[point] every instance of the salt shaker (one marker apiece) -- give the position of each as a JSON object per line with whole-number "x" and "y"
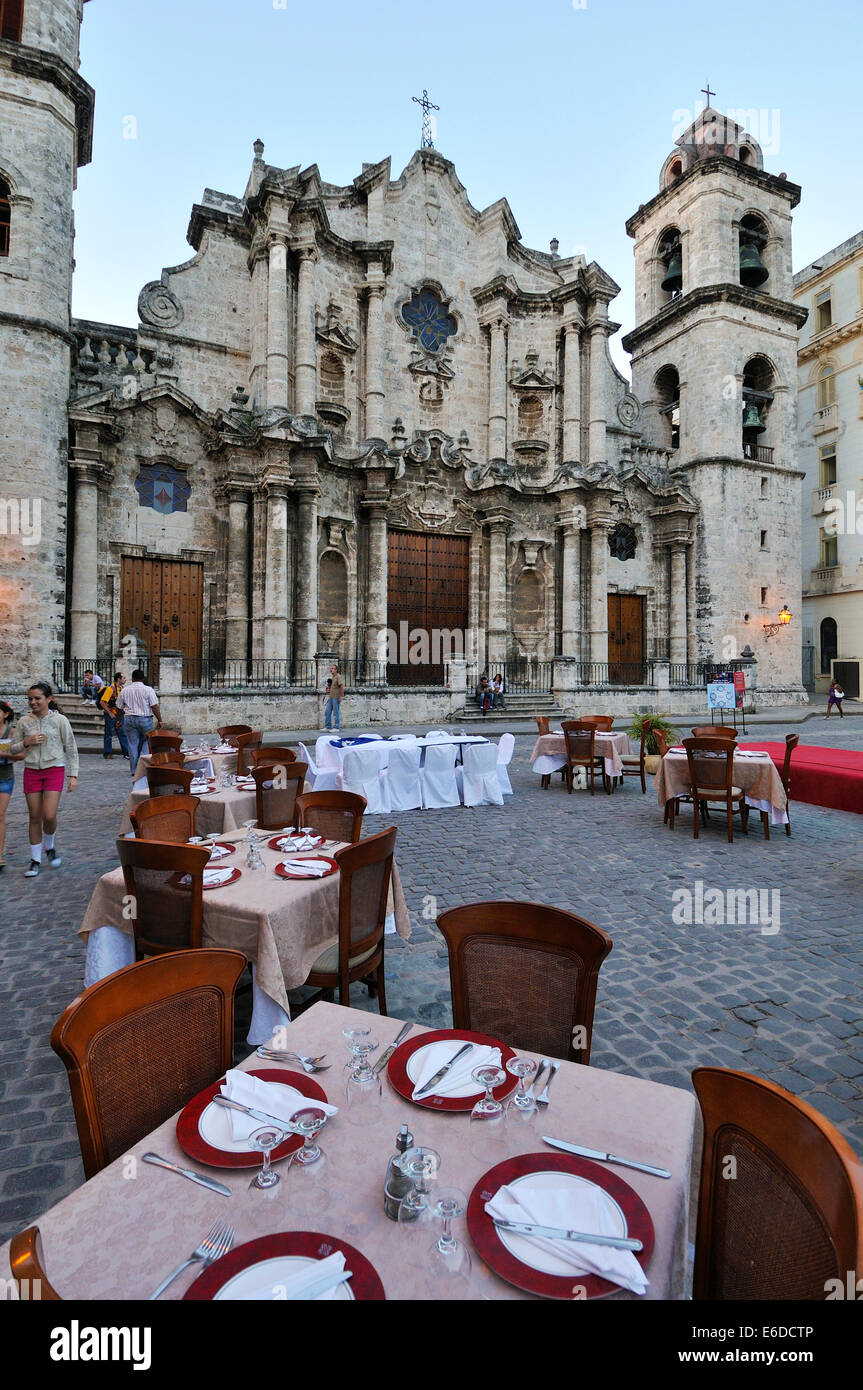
{"x": 397, "y": 1185}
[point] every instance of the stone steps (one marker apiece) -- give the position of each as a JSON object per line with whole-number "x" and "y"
{"x": 85, "y": 720}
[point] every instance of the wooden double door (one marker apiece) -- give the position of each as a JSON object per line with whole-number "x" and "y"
{"x": 428, "y": 592}
{"x": 626, "y": 639}
{"x": 163, "y": 601}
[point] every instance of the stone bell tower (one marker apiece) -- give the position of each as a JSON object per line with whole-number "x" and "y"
{"x": 714, "y": 361}
{"x": 46, "y": 117}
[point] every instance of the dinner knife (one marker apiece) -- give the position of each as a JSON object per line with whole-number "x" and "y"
{"x": 322, "y": 1285}
{"x": 385, "y": 1057}
{"x": 555, "y": 1233}
{"x": 439, "y": 1075}
{"x": 606, "y": 1158}
{"x": 262, "y": 1115}
{"x": 187, "y": 1173}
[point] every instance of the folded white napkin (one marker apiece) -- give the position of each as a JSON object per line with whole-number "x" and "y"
{"x": 292, "y": 1285}
{"x": 279, "y": 1101}
{"x": 301, "y": 841}
{"x": 306, "y": 869}
{"x": 458, "y": 1078}
{"x": 199, "y": 784}
{"x": 214, "y": 876}
{"x": 574, "y": 1209}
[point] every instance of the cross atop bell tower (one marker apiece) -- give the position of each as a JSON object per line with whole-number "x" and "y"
{"x": 427, "y": 106}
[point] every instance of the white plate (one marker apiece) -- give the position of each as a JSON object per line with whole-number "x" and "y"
{"x": 248, "y": 1281}
{"x": 214, "y": 1124}
{"x": 415, "y": 1064}
{"x": 529, "y": 1254}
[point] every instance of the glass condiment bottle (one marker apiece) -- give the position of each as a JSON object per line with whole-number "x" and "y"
{"x": 397, "y": 1184}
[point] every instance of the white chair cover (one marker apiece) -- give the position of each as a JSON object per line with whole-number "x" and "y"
{"x": 364, "y": 771}
{"x": 402, "y": 738}
{"x": 504, "y": 757}
{"x": 479, "y": 777}
{"x": 325, "y": 756}
{"x": 439, "y": 785}
{"x": 438, "y": 733}
{"x": 403, "y": 777}
{"x": 316, "y": 778}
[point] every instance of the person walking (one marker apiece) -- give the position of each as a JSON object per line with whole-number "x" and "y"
{"x": 334, "y": 695}
{"x": 45, "y": 738}
{"x": 7, "y": 770}
{"x": 113, "y": 717}
{"x": 835, "y": 696}
{"x": 139, "y": 705}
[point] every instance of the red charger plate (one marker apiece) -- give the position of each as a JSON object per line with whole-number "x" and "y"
{"x": 284, "y": 872}
{"x": 365, "y": 1284}
{"x": 192, "y": 1142}
{"x": 177, "y": 880}
{"x": 484, "y": 1234}
{"x": 274, "y": 843}
{"x": 397, "y": 1069}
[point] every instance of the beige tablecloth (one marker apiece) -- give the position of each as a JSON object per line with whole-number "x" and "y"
{"x": 282, "y": 925}
{"x": 217, "y": 812}
{"x": 549, "y": 752}
{"x": 758, "y": 778}
{"x": 219, "y": 760}
{"x": 115, "y": 1238}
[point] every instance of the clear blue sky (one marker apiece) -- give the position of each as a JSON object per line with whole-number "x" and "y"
{"x": 568, "y": 112}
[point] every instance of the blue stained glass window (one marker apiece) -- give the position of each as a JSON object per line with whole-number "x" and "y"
{"x": 163, "y": 488}
{"x": 431, "y": 324}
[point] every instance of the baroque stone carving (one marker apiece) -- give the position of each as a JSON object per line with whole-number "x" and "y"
{"x": 158, "y": 306}
{"x": 628, "y": 410}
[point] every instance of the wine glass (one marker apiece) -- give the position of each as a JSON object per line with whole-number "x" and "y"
{"x": 354, "y": 1037}
{"x": 521, "y": 1111}
{"x": 310, "y": 1191}
{"x": 487, "y": 1119}
{"x": 416, "y": 1218}
{"x": 264, "y": 1141}
{"x": 450, "y": 1263}
{"x": 363, "y": 1086}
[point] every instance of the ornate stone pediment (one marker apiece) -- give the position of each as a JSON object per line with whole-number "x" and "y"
{"x": 532, "y": 378}
{"x": 434, "y": 447}
{"x": 431, "y": 506}
{"x": 335, "y": 334}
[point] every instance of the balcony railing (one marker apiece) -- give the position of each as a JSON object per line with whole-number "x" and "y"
{"x": 821, "y": 496}
{"x": 825, "y": 418}
{"x": 758, "y": 453}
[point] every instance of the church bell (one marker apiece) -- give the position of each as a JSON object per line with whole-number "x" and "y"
{"x": 674, "y": 274}
{"x": 753, "y": 271}
{"x": 752, "y": 419}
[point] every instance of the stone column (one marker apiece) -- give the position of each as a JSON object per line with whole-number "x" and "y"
{"x": 84, "y": 615}
{"x": 497, "y": 388}
{"x": 570, "y": 620}
{"x": 258, "y": 364}
{"x": 306, "y": 364}
{"x": 571, "y": 393}
{"x": 377, "y": 579}
{"x": 277, "y": 323}
{"x": 375, "y": 427}
{"x": 306, "y": 621}
{"x": 677, "y": 605}
{"x": 237, "y": 605}
{"x": 276, "y": 579}
{"x": 599, "y": 524}
{"x": 598, "y": 447}
{"x": 497, "y": 570}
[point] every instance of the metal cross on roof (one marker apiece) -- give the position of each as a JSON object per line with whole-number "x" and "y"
{"x": 707, "y": 92}
{"x": 427, "y": 106}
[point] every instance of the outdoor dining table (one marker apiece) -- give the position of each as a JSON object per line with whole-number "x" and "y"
{"x": 193, "y": 755}
{"x": 116, "y": 1239}
{"x": 549, "y": 752}
{"x": 280, "y": 925}
{"x": 218, "y": 811}
{"x": 755, "y": 773}
{"x": 331, "y": 753}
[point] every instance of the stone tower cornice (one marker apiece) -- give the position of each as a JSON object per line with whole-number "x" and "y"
{"x": 770, "y": 183}
{"x": 704, "y": 295}
{"x": 45, "y": 67}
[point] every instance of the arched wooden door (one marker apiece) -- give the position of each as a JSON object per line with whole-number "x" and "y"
{"x": 427, "y": 596}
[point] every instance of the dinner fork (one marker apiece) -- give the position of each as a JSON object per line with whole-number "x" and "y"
{"x": 216, "y": 1243}
{"x": 308, "y": 1064}
{"x": 543, "y": 1099}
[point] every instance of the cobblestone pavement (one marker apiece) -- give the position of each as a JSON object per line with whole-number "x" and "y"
{"x": 783, "y": 1004}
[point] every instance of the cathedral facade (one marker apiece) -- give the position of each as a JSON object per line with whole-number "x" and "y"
{"x": 359, "y": 413}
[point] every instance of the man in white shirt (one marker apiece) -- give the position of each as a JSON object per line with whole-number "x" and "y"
{"x": 140, "y": 706}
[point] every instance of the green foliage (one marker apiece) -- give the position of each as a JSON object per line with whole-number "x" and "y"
{"x": 650, "y": 723}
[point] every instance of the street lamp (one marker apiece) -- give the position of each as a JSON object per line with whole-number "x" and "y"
{"x": 771, "y": 629}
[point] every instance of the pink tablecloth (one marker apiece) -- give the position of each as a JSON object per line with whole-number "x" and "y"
{"x": 549, "y": 752}
{"x": 756, "y": 776}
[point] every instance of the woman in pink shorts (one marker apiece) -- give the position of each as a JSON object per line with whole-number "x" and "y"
{"x": 46, "y": 739}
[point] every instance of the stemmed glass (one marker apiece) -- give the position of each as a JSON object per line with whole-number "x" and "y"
{"x": 362, "y": 1086}
{"x": 487, "y": 1119}
{"x": 421, "y": 1166}
{"x": 521, "y": 1111}
{"x": 450, "y": 1258}
{"x": 264, "y": 1141}
{"x": 311, "y": 1161}
{"x": 355, "y": 1039}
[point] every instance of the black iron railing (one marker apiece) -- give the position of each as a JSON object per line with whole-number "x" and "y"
{"x": 635, "y": 673}
{"x": 227, "y": 675}
{"x": 67, "y": 675}
{"x": 359, "y": 674}
{"x": 523, "y": 677}
{"x": 685, "y": 673}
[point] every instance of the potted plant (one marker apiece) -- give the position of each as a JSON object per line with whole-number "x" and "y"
{"x": 650, "y": 725}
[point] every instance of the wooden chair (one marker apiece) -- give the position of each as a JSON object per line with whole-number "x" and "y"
{"x": 171, "y": 757}
{"x": 581, "y": 752}
{"x": 526, "y": 974}
{"x": 602, "y": 722}
{"x": 165, "y": 818}
{"x": 168, "y": 915}
{"x": 366, "y": 869}
{"x": 247, "y": 744}
{"x": 542, "y": 724}
{"x": 715, "y": 731}
{"x": 791, "y": 742}
{"x": 277, "y": 786}
{"x": 711, "y": 773}
{"x": 337, "y": 815}
{"x": 634, "y": 766}
{"x": 169, "y": 781}
{"x": 789, "y": 1217}
{"x": 158, "y": 742}
{"x": 141, "y": 1043}
{"x": 272, "y": 756}
{"x": 228, "y": 732}
{"x": 26, "y": 1261}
